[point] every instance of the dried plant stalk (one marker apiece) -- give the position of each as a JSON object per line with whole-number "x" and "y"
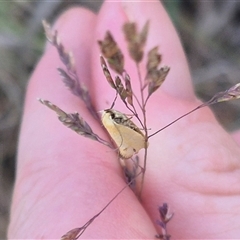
{"x": 136, "y": 41}
{"x": 66, "y": 57}
{"x": 165, "y": 216}
{"x": 75, "y": 122}
{"x": 77, "y": 232}
{"x": 129, "y": 90}
{"x": 154, "y": 59}
{"x": 228, "y": 95}
{"x": 107, "y": 73}
{"x": 112, "y": 53}
{"x": 70, "y": 77}
{"x": 72, "y": 234}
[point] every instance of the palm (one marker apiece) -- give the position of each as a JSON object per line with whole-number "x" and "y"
{"x": 63, "y": 179}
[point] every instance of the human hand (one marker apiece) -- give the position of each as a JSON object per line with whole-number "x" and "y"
{"x": 64, "y": 179}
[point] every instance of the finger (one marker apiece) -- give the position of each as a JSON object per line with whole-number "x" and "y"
{"x": 177, "y": 155}
{"x": 162, "y": 107}
{"x": 169, "y": 162}
{"x": 65, "y": 179}
{"x": 50, "y": 188}
{"x": 112, "y": 17}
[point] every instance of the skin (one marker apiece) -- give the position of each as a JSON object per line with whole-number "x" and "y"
{"x": 64, "y": 179}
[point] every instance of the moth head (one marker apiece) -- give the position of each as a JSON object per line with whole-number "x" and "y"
{"x": 110, "y": 113}
{"x": 114, "y": 115}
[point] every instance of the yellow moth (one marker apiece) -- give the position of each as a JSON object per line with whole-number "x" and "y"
{"x": 126, "y": 135}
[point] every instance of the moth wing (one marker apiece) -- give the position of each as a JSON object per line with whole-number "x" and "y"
{"x": 129, "y": 141}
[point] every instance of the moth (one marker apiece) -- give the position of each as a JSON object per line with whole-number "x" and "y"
{"x": 126, "y": 135}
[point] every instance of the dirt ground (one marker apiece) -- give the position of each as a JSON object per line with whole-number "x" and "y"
{"x": 210, "y": 33}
